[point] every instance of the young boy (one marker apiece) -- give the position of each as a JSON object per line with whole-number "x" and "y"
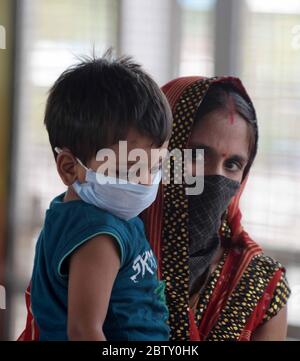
{"x": 94, "y": 275}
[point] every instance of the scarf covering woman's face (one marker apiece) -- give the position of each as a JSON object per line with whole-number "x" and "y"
{"x": 225, "y": 138}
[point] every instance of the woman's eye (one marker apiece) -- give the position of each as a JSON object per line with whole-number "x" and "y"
{"x": 233, "y": 166}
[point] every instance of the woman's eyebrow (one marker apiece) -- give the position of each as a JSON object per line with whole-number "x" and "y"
{"x": 211, "y": 150}
{"x": 239, "y": 158}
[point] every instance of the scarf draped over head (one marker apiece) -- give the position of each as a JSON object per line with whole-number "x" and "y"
{"x": 167, "y": 220}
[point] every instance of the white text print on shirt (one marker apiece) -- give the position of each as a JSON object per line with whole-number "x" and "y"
{"x": 142, "y": 264}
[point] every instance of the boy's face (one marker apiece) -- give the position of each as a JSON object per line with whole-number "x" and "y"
{"x": 136, "y": 159}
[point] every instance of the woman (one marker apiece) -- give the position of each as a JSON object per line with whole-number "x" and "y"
{"x": 224, "y": 288}
{"x": 219, "y": 284}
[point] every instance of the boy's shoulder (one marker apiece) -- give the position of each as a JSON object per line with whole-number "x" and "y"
{"x": 78, "y": 215}
{"x": 70, "y": 224}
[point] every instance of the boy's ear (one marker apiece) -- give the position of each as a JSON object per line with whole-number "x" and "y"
{"x": 67, "y": 167}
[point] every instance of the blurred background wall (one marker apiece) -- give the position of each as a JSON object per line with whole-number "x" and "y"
{"x": 259, "y": 41}
{"x": 6, "y": 98}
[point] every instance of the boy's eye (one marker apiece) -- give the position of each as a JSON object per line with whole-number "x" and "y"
{"x": 121, "y": 173}
{"x": 134, "y": 173}
{"x": 156, "y": 169}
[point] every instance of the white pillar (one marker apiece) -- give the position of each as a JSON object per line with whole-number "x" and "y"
{"x": 230, "y": 15}
{"x": 149, "y": 31}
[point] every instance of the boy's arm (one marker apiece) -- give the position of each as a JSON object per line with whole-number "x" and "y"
{"x": 92, "y": 271}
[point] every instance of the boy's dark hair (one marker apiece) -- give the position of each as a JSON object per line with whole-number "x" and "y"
{"x": 93, "y": 104}
{"x": 228, "y": 98}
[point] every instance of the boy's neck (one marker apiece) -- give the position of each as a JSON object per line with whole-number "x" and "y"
{"x": 70, "y": 195}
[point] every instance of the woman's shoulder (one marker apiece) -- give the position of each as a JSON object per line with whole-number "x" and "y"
{"x": 253, "y": 273}
{"x": 276, "y": 286}
{"x": 266, "y": 263}
{"x": 264, "y": 275}
{"x": 251, "y": 255}
{"x": 255, "y": 265}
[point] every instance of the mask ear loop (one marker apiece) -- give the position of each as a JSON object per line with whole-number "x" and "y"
{"x": 80, "y": 162}
{"x": 59, "y": 150}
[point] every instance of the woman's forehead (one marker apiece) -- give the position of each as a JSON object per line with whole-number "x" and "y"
{"x": 222, "y": 132}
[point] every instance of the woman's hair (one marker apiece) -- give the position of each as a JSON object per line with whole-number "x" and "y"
{"x": 225, "y": 97}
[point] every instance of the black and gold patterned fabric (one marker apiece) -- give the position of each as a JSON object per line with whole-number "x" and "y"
{"x": 244, "y": 299}
{"x": 175, "y": 254}
{"x": 279, "y": 299}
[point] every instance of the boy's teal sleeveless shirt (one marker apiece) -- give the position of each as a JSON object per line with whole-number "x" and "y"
{"x": 137, "y": 309}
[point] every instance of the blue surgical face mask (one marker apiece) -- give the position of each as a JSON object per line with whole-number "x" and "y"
{"x": 121, "y": 198}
